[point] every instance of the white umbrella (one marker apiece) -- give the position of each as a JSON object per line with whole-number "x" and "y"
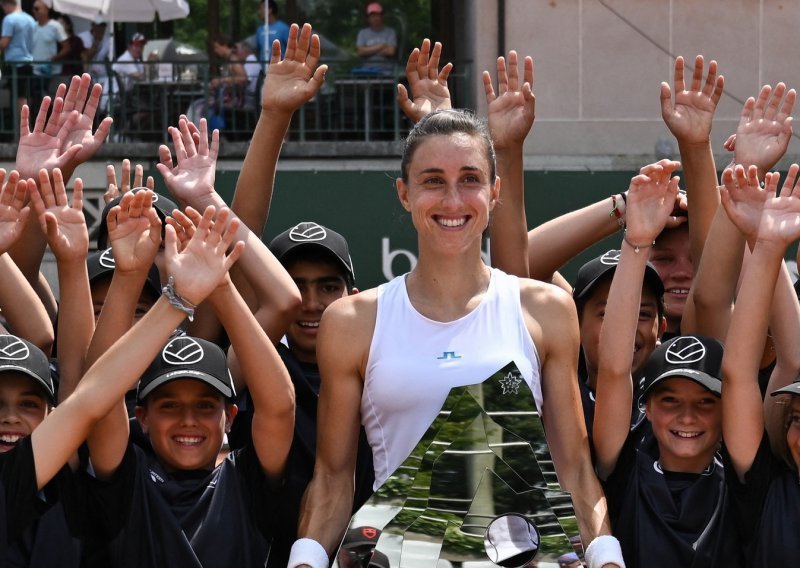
{"x": 123, "y": 10}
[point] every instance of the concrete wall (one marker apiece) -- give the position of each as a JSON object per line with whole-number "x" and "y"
{"x": 599, "y": 63}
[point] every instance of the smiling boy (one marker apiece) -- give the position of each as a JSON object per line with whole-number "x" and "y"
{"x": 663, "y": 481}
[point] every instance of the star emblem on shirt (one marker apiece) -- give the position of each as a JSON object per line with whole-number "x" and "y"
{"x": 510, "y": 383}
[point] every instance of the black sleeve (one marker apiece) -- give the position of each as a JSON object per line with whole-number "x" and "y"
{"x": 108, "y": 501}
{"x": 747, "y": 499}
{"x": 617, "y": 486}
{"x": 264, "y": 493}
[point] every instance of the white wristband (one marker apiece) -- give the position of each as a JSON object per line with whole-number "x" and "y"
{"x": 603, "y": 550}
{"x": 308, "y": 551}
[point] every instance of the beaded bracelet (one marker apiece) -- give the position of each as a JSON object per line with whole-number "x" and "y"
{"x": 615, "y": 212}
{"x": 178, "y": 301}
{"x": 636, "y": 248}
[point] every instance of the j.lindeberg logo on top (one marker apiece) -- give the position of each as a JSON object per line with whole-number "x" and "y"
{"x": 685, "y": 350}
{"x": 611, "y": 258}
{"x": 107, "y": 259}
{"x": 307, "y": 232}
{"x": 12, "y": 349}
{"x": 449, "y": 355}
{"x": 182, "y": 351}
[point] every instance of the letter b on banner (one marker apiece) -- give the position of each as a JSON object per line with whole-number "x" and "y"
{"x": 388, "y": 256}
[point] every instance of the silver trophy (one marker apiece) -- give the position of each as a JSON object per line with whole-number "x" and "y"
{"x": 478, "y": 488}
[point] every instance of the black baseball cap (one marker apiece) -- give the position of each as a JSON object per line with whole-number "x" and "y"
{"x": 692, "y": 357}
{"x": 591, "y": 272}
{"x": 793, "y": 388}
{"x": 101, "y": 263}
{"x": 164, "y": 207}
{"x": 185, "y": 357}
{"x": 310, "y": 234}
{"x": 20, "y": 355}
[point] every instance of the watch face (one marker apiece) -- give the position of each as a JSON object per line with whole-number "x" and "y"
{"x": 479, "y": 487}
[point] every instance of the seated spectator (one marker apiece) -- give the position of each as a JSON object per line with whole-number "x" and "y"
{"x": 231, "y": 89}
{"x": 377, "y": 43}
{"x": 129, "y": 66}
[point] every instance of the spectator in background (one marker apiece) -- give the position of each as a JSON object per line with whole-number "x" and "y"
{"x": 129, "y": 66}
{"x": 95, "y": 49}
{"x": 16, "y": 43}
{"x": 252, "y": 69}
{"x": 377, "y": 43}
{"x": 72, "y": 65}
{"x": 278, "y": 29}
{"x": 49, "y": 44}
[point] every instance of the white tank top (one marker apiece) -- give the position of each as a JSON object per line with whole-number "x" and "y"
{"x": 415, "y": 361}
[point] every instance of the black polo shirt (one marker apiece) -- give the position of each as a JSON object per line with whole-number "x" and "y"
{"x": 147, "y": 518}
{"x": 767, "y": 511}
{"x": 669, "y": 519}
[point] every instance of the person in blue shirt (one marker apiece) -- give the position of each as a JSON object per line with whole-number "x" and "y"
{"x": 16, "y": 43}
{"x": 278, "y": 29}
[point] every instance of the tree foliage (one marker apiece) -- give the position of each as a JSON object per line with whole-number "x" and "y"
{"x": 338, "y": 20}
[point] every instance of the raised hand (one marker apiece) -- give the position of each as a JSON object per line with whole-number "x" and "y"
{"x": 780, "y": 218}
{"x": 191, "y": 179}
{"x": 690, "y": 115}
{"x": 85, "y": 101}
{"x": 428, "y": 84}
{"x": 44, "y": 146}
{"x": 651, "y": 200}
{"x": 184, "y": 224}
{"x": 292, "y": 82}
{"x": 743, "y": 198}
{"x": 115, "y": 190}
{"x": 765, "y": 128}
{"x": 512, "y": 110}
{"x": 63, "y": 224}
{"x": 13, "y": 211}
{"x": 134, "y": 231}
{"x": 203, "y": 264}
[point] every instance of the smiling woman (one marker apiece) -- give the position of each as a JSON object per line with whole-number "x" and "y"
{"x": 451, "y": 318}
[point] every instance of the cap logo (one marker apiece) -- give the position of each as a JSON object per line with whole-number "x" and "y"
{"x": 138, "y": 189}
{"x": 369, "y": 532}
{"x": 308, "y": 233}
{"x": 106, "y": 259}
{"x": 14, "y": 348}
{"x": 611, "y": 258}
{"x": 182, "y": 351}
{"x": 685, "y": 350}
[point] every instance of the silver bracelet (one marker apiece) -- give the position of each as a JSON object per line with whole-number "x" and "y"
{"x": 178, "y": 301}
{"x": 636, "y": 248}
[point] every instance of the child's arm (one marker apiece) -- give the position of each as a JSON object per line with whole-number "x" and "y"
{"x": 511, "y": 115}
{"x": 196, "y": 271}
{"x": 265, "y": 376}
{"x": 258, "y": 267}
{"x": 689, "y": 117}
{"x": 760, "y": 140}
{"x": 134, "y": 231}
{"x": 19, "y": 303}
{"x": 428, "y": 84}
{"x": 650, "y": 200}
{"x": 742, "y": 409}
{"x": 65, "y": 229}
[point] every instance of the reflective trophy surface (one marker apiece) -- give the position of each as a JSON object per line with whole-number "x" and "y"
{"x": 479, "y": 489}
